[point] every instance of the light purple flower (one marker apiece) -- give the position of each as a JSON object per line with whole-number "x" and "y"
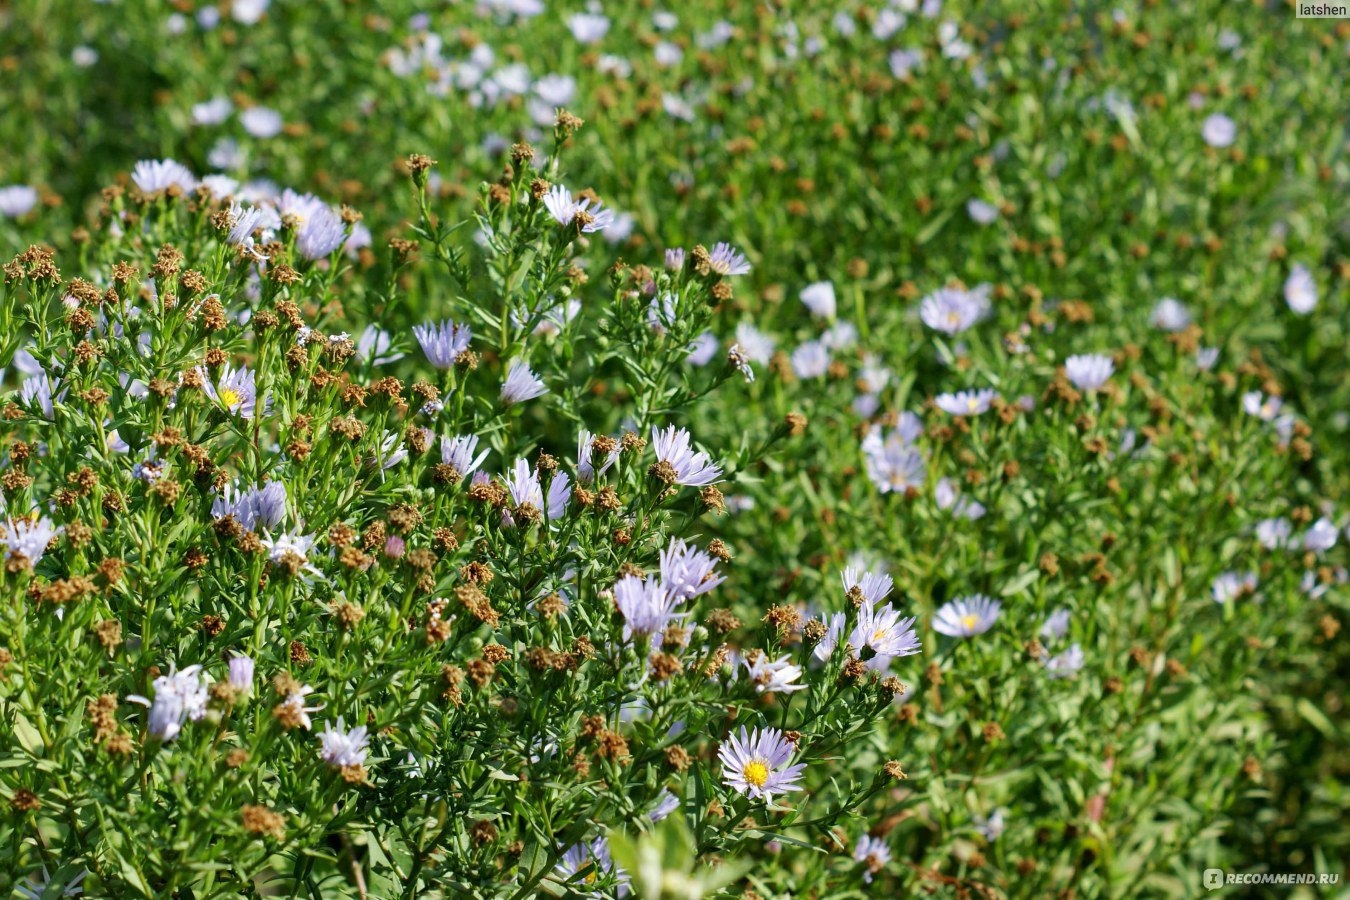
{"x": 153, "y": 176}
{"x": 341, "y": 748}
{"x": 726, "y": 260}
{"x": 756, "y": 763}
{"x": 873, "y": 853}
{"x": 646, "y": 606}
{"x": 521, "y": 384}
{"x": 443, "y": 343}
{"x": 1218, "y": 130}
{"x": 564, "y": 209}
{"x": 688, "y": 572}
{"x": 967, "y": 616}
{"x": 966, "y": 403}
{"x": 28, "y": 538}
{"x": 689, "y": 467}
{"x": 457, "y": 452}
{"x": 1089, "y": 372}
{"x": 819, "y": 298}
{"x": 1300, "y": 290}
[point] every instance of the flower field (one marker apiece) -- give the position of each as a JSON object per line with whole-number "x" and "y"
{"x": 510, "y": 448}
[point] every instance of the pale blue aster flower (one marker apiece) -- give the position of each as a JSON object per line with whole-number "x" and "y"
{"x": 688, "y": 572}
{"x": 647, "y": 608}
{"x": 153, "y": 176}
{"x": 340, "y": 748}
{"x": 726, "y": 261}
{"x": 1066, "y": 664}
{"x": 967, "y": 616}
{"x": 757, "y": 763}
{"x": 521, "y": 383}
{"x": 457, "y": 452}
{"x": 966, "y": 403}
{"x": 690, "y": 468}
{"x": 819, "y": 298}
{"x": 443, "y": 343}
{"x": 873, "y": 853}
{"x": 881, "y": 635}
{"x": 1088, "y": 372}
{"x": 27, "y": 538}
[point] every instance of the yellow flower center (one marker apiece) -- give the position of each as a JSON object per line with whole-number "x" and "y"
{"x": 878, "y": 635}
{"x": 972, "y": 404}
{"x": 969, "y": 620}
{"x": 756, "y": 772}
{"x": 229, "y": 397}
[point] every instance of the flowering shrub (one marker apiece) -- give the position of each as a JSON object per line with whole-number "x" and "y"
{"x": 767, "y": 520}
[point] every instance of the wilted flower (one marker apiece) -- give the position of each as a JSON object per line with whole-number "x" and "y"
{"x": 757, "y": 763}
{"x": 967, "y": 616}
